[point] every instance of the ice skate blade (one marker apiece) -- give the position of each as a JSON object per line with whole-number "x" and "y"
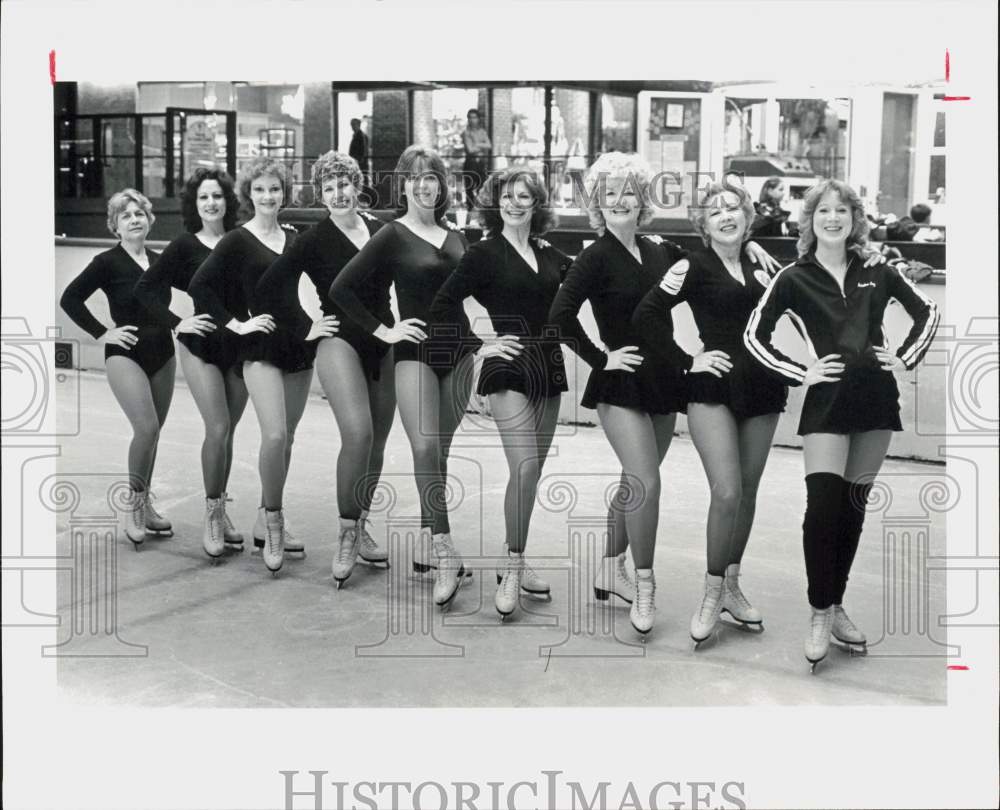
{"x": 547, "y": 594}
{"x": 851, "y": 647}
{"x": 163, "y": 534}
{"x": 602, "y": 595}
{"x": 374, "y": 563}
{"x": 749, "y": 627}
{"x": 426, "y": 568}
{"x": 814, "y": 664}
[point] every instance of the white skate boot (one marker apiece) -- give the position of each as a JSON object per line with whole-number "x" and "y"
{"x": 155, "y": 522}
{"x": 233, "y": 538}
{"x": 450, "y": 569}
{"x": 707, "y": 617}
{"x": 643, "y": 612}
{"x": 135, "y": 518}
{"x": 423, "y": 555}
{"x": 510, "y": 586}
{"x": 530, "y": 581}
{"x": 818, "y": 642}
{"x": 274, "y": 540}
{"x": 212, "y": 537}
{"x": 613, "y": 579}
{"x": 292, "y": 544}
{"x": 368, "y": 550}
{"x": 736, "y": 604}
{"x": 347, "y": 552}
{"x": 847, "y": 633}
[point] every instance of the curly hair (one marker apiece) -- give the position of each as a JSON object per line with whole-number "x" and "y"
{"x": 189, "y": 199}
{"x": 543, "y": 218}
{"x": 698, "y": 214}
{"x": 415, "y": 161}
{"x": 258, "y": 167}
{"x": 119, "y": 201}
{"x": 617, "y": 166}
{"x": 857, "y": 239}
{"x": 332, "y": 165}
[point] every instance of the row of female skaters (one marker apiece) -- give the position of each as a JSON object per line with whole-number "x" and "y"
{"x": 250, "y": 334}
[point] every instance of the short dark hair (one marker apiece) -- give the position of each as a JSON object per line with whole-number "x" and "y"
{"x": 920, "y": 213}
{"x": 417, "y": 160}
{"x": 473, "y": 110}
{"x": 356, "y": 121}
{"x": 189, "y": 199}
{"x": 488, "y": 200}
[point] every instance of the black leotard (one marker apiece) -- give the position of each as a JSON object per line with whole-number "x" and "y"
{"x": 396, "y": 255}
{"x": 847, "y": 323}
{"x": 115, "y": 273}
{"x": 226, "y": 283}
{"x": 608, "y": 275}
{"x": 175, "y": 268}
{"x": 517, "y": 299}
{"x": 721, "y": 306}
{"x": 321, "y": 253}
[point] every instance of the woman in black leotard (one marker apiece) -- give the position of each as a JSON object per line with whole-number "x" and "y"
{"x": 515, "y": 275}
{"x": 354, "y": 368}
{"x": 637, "y": 395}
{"x": 416, "y": 253}
{"x": 207, "y": 350}
{"x": 852, "y": 406}
{"x": 733, "y": 405}
{"x": 138, "y": 352}
{"x": 636, "y": 392}
{"x": 277, "y": 366}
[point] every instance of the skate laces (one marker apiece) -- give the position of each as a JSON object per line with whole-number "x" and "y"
{"x": 511, "y": 578}
{"x": 348, "y": 546}
{"x": 645, "y": 596}
{"x": 214, "y": 511}
{"x": 711, "y": 603}
{"x": 274, "y": 534}
{"x": 822, "y": 623}
{"x": 840, "y": 617}
{"x": 367, "y": 541}
{"x": 736, "y": 593}
{"x": 621, "y": 571}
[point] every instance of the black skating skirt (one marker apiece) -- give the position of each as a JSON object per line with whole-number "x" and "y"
{"x": 538, "y": 371}
{"x": 281, "y": 349}
{"x": 866, "y": 398}
{"x": 654, "y": 388}
{"x": 220, "y": 348}
{"x": 747, "y": 390}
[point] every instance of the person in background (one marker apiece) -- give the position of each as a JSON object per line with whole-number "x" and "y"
{"x": 477, "y": 156}
{"x": 771, "y": 219}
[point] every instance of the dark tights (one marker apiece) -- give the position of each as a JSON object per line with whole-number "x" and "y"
{"x": 221, "y": 399}
{"x": 279, "y": 400}
{"x": 146, "y": 401}
{"x": 640, "y": 441}
{"x": 733, "y": 455}
{"x": 364, "y": 410}
{"x": 526, "y": 431}
{"x": 431, "y": 409}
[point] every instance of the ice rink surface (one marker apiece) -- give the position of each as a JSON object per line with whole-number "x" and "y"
{"x": 231, "y": 635}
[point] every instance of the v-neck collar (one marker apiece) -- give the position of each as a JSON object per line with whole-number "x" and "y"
{"x": 340, "y": 232}
{"x": 847, "y": 271}
{"x": 262, "y": 242}
{"x": 725, "y": 270}
{"x": 416, "y": 235}
{"x": 534, "y": 250}
{"x": 638, "y": 243}
{"x": 131, "y": 258}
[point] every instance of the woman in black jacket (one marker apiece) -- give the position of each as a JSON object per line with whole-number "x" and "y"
{"x": 852, "y": 407}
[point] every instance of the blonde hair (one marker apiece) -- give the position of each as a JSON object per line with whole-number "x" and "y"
{"x": 698, "y": 214}
{"x": 617, "y": 166}
{"x": 857, "y": 239}
{"x": 119, "y": 201}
